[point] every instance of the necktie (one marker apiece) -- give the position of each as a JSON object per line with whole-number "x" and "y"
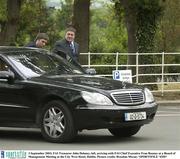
{"x": 72, "y": 49}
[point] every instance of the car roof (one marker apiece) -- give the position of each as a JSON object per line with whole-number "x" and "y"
{"x": 9, "y": 49}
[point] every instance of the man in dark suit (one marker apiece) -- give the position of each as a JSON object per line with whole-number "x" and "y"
{"x": 67, "y": 48}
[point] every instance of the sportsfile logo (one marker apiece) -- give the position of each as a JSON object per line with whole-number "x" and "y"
{"x": 13, "y": 155}
{"x": 2, "y": 154}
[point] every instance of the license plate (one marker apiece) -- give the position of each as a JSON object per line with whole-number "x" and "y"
{"x": 135, "y": 116}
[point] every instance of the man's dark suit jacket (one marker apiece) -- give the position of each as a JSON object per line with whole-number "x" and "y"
{"x": 31, "y": 44}
{"x": 62, "y": 48}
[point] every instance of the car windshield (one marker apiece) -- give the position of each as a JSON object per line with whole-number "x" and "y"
{"x": 34, "y": 64}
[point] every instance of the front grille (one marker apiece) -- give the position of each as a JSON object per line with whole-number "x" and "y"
{"x": 130, "y": 97}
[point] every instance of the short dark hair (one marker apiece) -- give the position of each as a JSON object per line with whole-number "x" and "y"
{"x": 42, "y": 36}
{"x": 71, "y": 29}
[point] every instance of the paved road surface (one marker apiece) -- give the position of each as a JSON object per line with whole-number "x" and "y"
{"x": 162, "y": 134}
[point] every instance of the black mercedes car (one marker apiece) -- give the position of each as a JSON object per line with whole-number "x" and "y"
{"x": 40, "y": 89}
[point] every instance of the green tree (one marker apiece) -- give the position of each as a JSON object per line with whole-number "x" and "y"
{"x": 141, "y": 17}
{"x": 35, "y": 18}
{"x": 108, "y": 35}
{"x": 3, "y": 12}
{"x": 81, "y": 17}
{"x": 168, "y": 32}
{"x": 141, "y": 22}
{"x": 149, "y": 12}
{"x": 66, "y": 13}
{"x": 64, "y": 16}
{"x": 9, "y": 19}
{"x": 168, "y": 35}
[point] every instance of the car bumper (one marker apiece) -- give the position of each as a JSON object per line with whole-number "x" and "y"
{"x": 96, "y": 117}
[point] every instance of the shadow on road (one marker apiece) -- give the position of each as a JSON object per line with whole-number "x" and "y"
{"x": 20, "y": 135}
{"x": 108, "y": 139}
{"x": 82, "y": 138}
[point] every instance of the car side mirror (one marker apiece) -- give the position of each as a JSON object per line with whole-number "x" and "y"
{"x": 9, "y": 76}
{"x": 90, "y": 71}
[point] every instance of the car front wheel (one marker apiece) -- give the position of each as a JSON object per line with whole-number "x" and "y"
{"x": 57, "y": 124}
{"x": 124, "y": 132}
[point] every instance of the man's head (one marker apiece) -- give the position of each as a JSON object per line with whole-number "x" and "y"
{"x": 70, "y": 34}
{"x": 41, "y": 40}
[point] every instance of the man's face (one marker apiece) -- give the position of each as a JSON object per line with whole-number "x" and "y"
{"x": 41, "y": 43}
{"x": 70, "y": 35}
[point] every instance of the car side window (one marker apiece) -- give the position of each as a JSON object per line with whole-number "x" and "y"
{"x": 5, "y": 70}
{"x": 3, "y": 66}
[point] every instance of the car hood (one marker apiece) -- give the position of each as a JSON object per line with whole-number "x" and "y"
{"x": 84, "y": 81}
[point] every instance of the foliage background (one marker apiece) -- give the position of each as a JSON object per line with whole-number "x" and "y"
{"x": 108, "y": 32}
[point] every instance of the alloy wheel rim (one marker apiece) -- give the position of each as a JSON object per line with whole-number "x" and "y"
{"x": 54, "y": 122}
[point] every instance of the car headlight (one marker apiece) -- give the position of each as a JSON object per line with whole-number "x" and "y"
{"x": 148, "y": 95}
{"x": 96, "y": 98}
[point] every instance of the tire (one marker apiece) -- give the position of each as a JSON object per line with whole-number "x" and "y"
{"x": 56, "y": 123}
{"x": 124, "y": 132}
